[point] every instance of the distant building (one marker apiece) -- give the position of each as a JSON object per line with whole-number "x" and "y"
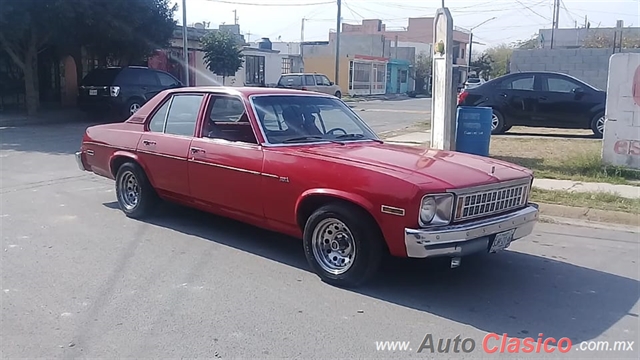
{"x": 575, "y": 38}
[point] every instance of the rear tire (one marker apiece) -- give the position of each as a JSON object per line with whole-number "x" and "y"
{"x": 597, "y": 125}
{"x": 136, "y": 197}
{"x": 343, "y": 244}
{"x": 133, "y": 104}
{"x": 498, "y": 125}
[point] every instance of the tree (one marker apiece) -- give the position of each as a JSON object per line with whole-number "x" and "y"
{"x": 422, "y": 70}
{"x": 222, "y": 53}
{"x": 529, "y": 44}
{"x": 500, "y": 56}
{"x": 115, "y": 29}
{"x": 482, "y": 66}
{"x": 604, "y": 39}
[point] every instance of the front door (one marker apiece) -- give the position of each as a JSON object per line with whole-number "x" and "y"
{"x": 164, "y": 146}
{"x": 225, "y": 161}
{"x": 563, "y": 103}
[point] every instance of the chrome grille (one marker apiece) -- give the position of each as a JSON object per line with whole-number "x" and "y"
{"x": 492, "y": 201}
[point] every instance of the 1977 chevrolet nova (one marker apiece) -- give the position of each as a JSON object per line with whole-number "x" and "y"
{"x": 304, "y": 164}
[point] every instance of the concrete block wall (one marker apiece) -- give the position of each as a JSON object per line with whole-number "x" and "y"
{"x": 588, "y": 65}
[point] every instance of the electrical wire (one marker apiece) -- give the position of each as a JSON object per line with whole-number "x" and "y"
{"x": 531, "y": 10}
{"x": 272, "y": 4}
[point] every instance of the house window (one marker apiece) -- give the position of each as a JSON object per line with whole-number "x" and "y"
{"x": 286, "y": 65}
{"x": 254, "y": 70}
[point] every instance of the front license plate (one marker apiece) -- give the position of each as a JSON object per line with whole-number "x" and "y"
{"x": 502, "y": 241}
{"x": 93, "y": 92}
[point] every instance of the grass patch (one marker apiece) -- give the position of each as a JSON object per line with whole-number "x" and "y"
{"x": 593, "y": 200}
{"x": 568, "y": 159}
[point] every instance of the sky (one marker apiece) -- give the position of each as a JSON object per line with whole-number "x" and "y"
{"x": 514, "y": 19}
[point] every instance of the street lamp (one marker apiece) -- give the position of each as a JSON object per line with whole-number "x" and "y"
{"x": 185, "y": 46}
{"x": 471, "y": 38}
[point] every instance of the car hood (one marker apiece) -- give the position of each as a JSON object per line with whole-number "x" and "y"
{"x": 437, "y": 168}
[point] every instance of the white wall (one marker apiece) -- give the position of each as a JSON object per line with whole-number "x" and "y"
{"x": 621, "y": 142}
{"x": 272, "y": 63}
{"x": 420, "y": 47}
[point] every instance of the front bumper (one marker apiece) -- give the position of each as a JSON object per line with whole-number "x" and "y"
{"x": 469, "y": 238}
{"x": 79, "y": 161}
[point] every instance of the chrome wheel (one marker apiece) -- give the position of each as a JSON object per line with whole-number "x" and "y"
{"x": 600, "y": 124}
{"x": 333, "y": 246}
{"x": 494, "y": 121}
{"x": 129, "y": 190}
{"x": 133, "y": 108}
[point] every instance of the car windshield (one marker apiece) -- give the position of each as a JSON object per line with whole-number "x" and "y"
{"x": 299, "y": 119}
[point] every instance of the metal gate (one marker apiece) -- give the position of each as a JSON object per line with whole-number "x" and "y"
{"x": 367, "y": 77}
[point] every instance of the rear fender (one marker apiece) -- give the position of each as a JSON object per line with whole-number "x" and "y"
{"x": 121, "y": 156}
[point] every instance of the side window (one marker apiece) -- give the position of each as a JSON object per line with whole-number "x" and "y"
{"x": 227, "y": 109}
{"x": 555, "y": 84}
{"x": 157, "y": 121}
{"x": 309, "y": 80}
{"x": 183, "y": 114}
{"x": 322, "y": 80}
{"x": 523, "y": 83}
{"x": 166, "y": 80}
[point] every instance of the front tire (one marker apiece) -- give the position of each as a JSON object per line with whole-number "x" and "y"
{"x": 597, "y": 125}
{"x": 338, "y": 94}
{"x": 136, "y": 197}
{"x": 343, "y": 245}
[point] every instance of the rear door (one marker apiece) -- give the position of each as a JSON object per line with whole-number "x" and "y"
{"x": 164, "y": 146}
{"x": 517, "y": 99}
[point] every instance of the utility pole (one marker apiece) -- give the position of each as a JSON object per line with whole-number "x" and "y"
{"x": 235, "y": 17}
{"x": 185, "y": 44}
{"x": 556, "y": 18}
{"x": 302, "y": 43}
{"x": 471, "y": 38}
{"x": 339, "y": 23}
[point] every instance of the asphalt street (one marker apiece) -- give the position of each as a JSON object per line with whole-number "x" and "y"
{"x": 390, "y": 115}
{"x": 79, "y": 279}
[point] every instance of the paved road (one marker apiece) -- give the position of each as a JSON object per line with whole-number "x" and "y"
{"x": 81, "y": 280}
{"x": 391, "y": 115}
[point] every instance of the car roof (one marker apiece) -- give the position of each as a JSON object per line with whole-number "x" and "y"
{"x": 245, "y": 91}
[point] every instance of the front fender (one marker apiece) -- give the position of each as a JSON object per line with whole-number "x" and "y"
{"x": 339, "y": 194}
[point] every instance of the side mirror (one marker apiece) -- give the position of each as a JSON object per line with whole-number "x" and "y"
{"x": 331, "y": 83}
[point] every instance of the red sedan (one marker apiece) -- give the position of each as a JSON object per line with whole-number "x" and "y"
{"x": 304, "y": 164}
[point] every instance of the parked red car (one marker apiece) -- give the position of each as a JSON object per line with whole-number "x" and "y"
{"x": 304, "y": 164}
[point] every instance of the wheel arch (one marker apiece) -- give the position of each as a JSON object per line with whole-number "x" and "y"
{"x": 313, "y": 199}
{"x": 120, "y": 157}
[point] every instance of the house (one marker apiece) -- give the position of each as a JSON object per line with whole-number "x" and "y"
{"x": 417, "y": 34}
{"x": 363, "y": 67}
{"x": 262, "y": 65}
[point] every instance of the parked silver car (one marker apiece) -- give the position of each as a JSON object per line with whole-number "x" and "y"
{"x": 310, "y": 82}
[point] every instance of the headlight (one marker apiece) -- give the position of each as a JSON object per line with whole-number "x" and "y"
{"x": 436, "y": 210}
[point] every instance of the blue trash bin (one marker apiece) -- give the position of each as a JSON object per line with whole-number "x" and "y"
{"x": 473, "y": 130}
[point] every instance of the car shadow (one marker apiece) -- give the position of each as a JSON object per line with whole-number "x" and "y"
{"x": 55, "y": 135}
{"x": 512, "y": 292}
{"x": 534, "y": 134}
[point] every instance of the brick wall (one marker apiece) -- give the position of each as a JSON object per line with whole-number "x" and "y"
{"x": 588, "y": 65}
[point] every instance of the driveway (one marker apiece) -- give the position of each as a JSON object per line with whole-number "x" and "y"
{"x": 79, "y": 279}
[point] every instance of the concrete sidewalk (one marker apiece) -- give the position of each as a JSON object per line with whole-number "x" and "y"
{"x": 626, "y": 191}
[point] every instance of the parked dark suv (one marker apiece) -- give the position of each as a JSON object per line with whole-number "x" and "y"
{"x": 539, "y": 99}
{"x": 123, "y": 90}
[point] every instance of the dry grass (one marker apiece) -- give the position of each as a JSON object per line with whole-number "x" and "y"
{"x": 569, "y": 159}
{"x": 592, "y": 200}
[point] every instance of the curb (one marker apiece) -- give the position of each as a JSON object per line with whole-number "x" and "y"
{"x": 589, "y": 217}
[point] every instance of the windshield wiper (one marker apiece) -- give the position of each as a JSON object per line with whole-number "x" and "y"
{"x": 309, "y": 138}
{"x": 357, "y": 136}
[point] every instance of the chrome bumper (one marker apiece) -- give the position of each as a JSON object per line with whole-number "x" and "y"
{"x": 79, "y": 160}
{"x": 465, "y": 239}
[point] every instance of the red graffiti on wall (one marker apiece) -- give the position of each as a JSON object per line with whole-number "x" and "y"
{"x": 627, "y": 147}
{"x": 635, "y": 90}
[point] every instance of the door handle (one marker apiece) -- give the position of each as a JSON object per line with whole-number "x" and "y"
{"x": 195, "y": 150}
{"x": 503, "y": 95}
{"x": 543, "y": 98}
{"x": 148, "y": 142}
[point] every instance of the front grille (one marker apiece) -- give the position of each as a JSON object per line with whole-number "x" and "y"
{"x": 489, "y": 202}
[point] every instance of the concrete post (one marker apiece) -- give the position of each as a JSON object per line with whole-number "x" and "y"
{"x": 443, "y": 100}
